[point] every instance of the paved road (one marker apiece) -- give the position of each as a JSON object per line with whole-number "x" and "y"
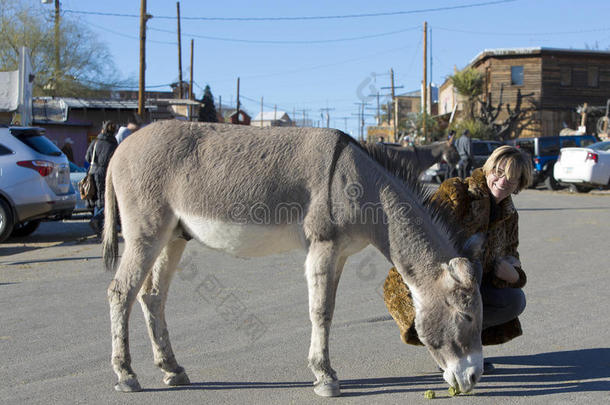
{"x": 55, "y": 340}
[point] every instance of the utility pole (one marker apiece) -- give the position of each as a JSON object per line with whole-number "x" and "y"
{"x": 326, "y": 110}
{"x": 345, "y": 122}
{"x": 261, "y": 112}
{"x": 395, "y": 101}
{"x": 378, "y": 111}
{"x": 142, "y": 87}
{"x": 57, "y": 60}
{"x": 191, "y": 83}
{"x": 425, "y": 87}
{"x": 360, "y": 116}
{"x": 304, "y": 111}
{"x": 238, "y": 100}
{"x": 191, "y": 80}
{"x": 431, "y": 75}
{"x": 179, "y": 52}
{"x": 275, "y": 113}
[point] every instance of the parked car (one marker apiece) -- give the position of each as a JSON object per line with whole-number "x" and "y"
{"x": 78, "y": 173}
{"x": 481, "y": 150}
{"x": 584, "y": 168}
{"x": 545, "y": 151}
{"x": 34, "y": 181}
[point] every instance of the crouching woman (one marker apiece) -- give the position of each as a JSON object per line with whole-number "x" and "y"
{"x": 481, "y": 203}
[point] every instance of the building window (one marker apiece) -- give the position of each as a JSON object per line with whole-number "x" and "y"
{"x": 565, "y": 73}
{"x": 592, "y": 76}
{"x": 516, "y": 75}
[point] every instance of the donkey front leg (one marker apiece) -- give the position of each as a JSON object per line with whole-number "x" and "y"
{"x": 320, "y": 270}
{"x": 152, "y": 297}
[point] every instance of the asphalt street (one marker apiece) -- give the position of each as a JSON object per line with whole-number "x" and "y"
{"x": 241, "y": 328}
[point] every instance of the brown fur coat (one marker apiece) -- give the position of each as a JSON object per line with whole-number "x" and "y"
{"x": 469, "y": 202}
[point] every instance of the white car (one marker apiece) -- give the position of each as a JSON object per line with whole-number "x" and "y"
{"x": 584, "y": 168}
{"x": 34, "y": 181}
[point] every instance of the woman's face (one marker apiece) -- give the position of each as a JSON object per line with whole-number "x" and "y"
{"x": 499, "y": 186}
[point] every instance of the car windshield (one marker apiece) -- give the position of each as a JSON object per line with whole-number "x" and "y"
{"x": 605, "y": 146}
{"x": 548, "y": 146}
{"x": 35, "y": 140}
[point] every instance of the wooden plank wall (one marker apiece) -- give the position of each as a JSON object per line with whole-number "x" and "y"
{"x": 541, "y": 76}
{"x": 579, "y": 92}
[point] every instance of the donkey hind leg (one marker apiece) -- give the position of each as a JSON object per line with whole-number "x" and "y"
{"x": 322, "y": 272}
{"x": 137, "y": 260}
{"x": 152, "y": 297}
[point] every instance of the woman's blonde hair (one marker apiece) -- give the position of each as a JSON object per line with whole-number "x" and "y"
{"x": 517, "y": 165}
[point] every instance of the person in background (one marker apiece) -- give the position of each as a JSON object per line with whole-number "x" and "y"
{"x": 133, "y": 124}
{"x": 67, "y": 149}
{"x": 451, "y": 169}
{"x": 481, "y": 203}
{"x": 464, "y": 148}
{"x": 104, "y": 146}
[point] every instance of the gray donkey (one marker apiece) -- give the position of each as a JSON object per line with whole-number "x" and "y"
{"x": 319, "y": 191}
{"x": 422, "y": 157}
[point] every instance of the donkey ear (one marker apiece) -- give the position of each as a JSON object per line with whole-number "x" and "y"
{"x": 460, "y": 271}
{"x": 474, "y": 246}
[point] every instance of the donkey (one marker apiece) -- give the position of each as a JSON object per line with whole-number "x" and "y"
{"x": 422, "y": 157}
{"x": 174, "y": 181}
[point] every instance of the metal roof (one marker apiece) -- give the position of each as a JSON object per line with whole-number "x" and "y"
{"x": 531, "y": 51}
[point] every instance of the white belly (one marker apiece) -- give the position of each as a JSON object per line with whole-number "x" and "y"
{"x": 244, "y": 240}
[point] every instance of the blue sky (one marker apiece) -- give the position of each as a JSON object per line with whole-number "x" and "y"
{"x": 337, "y": 62}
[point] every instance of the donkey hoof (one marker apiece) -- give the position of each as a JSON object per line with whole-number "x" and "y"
{"x": 327, "y": 388}
{"x": 174, "y": 379}
{"x": 129, "y": 385}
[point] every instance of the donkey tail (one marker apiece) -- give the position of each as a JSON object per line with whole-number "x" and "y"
{"x": 110, "y": 244}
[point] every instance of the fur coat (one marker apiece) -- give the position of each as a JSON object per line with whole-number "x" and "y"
{"x": 469, "y": 203}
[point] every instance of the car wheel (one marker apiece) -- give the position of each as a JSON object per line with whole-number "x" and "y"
{"x": 6, "y": 221}
{"x": 25, "y": 228}
{"x": 550, "y": 181}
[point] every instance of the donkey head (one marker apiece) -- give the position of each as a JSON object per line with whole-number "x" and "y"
{"x": 450, "y": 153}
{"x": 449, "y": 321}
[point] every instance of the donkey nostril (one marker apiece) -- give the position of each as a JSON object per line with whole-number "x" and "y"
{"x": 473, "y": 378}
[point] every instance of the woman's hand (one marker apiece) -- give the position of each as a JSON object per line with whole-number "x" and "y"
{"x": 506, "y": 271}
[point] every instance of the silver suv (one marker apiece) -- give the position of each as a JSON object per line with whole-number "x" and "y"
{"x": 34, "y": 181}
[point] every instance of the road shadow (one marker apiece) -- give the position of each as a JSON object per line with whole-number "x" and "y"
{"x": 534, "y": 375}
{"x": 60, "y": 259}
{"x": 566, "y": 209}
{"x": 374, "y": 386}
{"x": 552, "y": 373}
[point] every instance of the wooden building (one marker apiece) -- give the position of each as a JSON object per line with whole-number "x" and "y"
{"x": 559, "y": 80}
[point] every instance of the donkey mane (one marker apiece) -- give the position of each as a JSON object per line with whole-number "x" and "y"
{"x": 403, "y": 169}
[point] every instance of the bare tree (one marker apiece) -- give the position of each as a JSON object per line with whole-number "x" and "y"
{"x": 516, "y": 119}
{"x": 85, "y": 62}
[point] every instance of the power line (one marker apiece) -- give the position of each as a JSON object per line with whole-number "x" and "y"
{"x": 304, "y": 18}
{"x": 524, "y": 33}
{"x": 121, "y": 34}
{"x": 292, "y": 42}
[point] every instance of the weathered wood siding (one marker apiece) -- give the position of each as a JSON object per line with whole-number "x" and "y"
{"x": 559, "y": 97}
{"x": 542, "y": 78}
{"x": 496, "y": 71}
